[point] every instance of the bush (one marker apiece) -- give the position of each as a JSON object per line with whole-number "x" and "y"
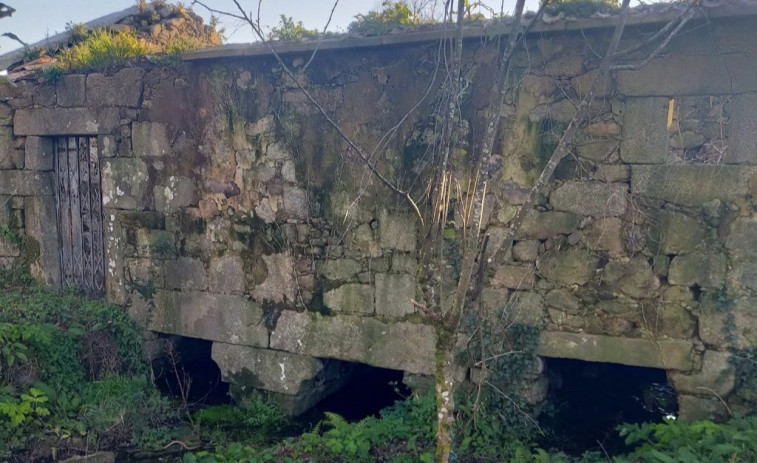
{"x": 393, "y": 15}
{"x": 290, "y": 30}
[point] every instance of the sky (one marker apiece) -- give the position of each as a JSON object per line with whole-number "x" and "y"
{"x": 36, "y": 19}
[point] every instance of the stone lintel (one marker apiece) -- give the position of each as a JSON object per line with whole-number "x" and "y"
{"x": 665, "y": 354}
{"x": 692, "y": 185}
{"x": 65, "y": 121}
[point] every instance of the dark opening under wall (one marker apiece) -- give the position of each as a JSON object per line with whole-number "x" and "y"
{"x": 366, "y": 393}
{"x": 186, "y": 371}
{"x": 588, "y": 400}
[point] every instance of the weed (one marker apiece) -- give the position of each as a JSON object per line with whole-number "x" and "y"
{"x": 52, "y": 74}
{"x": 393, "y": 15}
{"x": 102, "y": 49}
{"x": 290, "y": 30}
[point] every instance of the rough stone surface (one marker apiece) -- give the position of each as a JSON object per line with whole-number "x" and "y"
{"x": 674, "y": 233}
{"x": 215, "y": 317}
{"x": 526, "y": 250}
{"x": 6, "y": 149}
{"x": 100, "y": 88}
{"x": 694, "y": 408}
{"x": 706, "y": 270}
{"x": 394, "y": 294}
{"x": 717, "y": 375}
{"x": 39, "y": 210}
{"x": 742, "y": 141}
{"x": 38, "y": 153}
{"x": 177, "y": 193}
{"x": 70, "y": 89}
{"x": 605, "y": 234}
{"x": 341, "y": 269}
{"x": 569, "y": 266}
{"x": 595, "y": 199}
{"x": 26, "y": 183}
{"x": 527, "y": 308}
{"x": 397, "y": 231}
{"x": 543, "y": 225}
{"x": 186, "y": 273}
{"x": 665, "y": 354}
{"x": 350, "y": 298}
{"x": 65, "y": 121}
{"x": 633, "y": 278}
{"x": 691, "y": 185}
{"x": 227, "y": 275}
{"x": 149, "y": 139}
{"x": 645, "y": 135}
{"x": 514, "y": 277}
{"x": 124, "y": 183}
{"x": 742, "y": 237}
{"x": 402, "y": 346}
{"x": 597, "y": 149}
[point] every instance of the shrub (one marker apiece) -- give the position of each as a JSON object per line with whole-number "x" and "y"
{"x": 393, "y": 15}
{"x": 290, "y": 30}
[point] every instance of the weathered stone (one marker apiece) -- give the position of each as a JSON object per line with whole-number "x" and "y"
{"x": 732, "y": 326}
{"x": 669, "y": 319}
{"x": 394, "y": 294}
{"x": 44, "y": 95}
{"x": 70, "y": 90}
{"x": 65, "y": 121}
{"x": 691, "y": 185}
{"x": 142, "y": 219}
{"x": 742, "y": 237}
{"x": 564, "y": 300}
{"x": 694, "y": 408}
{"x": 403, "y": 262}
{"x": 397, "y": 231}
{"x": 674, "y": 233}
{"x": 596, "y": 149}
{"x": 494, "y": 299}
{"x": 527, "y": 308}
{"x": 350, "y": 298}
{"x": 341, "y": 269}
{"x": 38, "y": 153}
{"x": 280, "y": 284}
{"x": 401, "y": 345}
{"x": 149, "y": 139}
{"x": 303, "y": 380}
{"x": 612, "y": 173}
{"x": 361, "y": 239}
{"x": 296, "y": 203}
{"x": 514, "y": 277}
{"x": 158, "y": 244}
{"x": 543, "y": 225}
{"x": 124, "y": 183}
{"x": 100, "y": 88}
{"x": 145, "y": 272}
{"x": 186, "y": 273}
{"x": 227, "y": 275}
{"x": 706, "y": 74}
{"x": 115, "y": 281}
{"x": 590, "y": 198}
{"x": 7, "y": 151}
{"x": 645, "y": 134}
{"x": 605, "y": 234}
{"x": 705, "y": 270}
{"x": 633, "y": 278}
{"x": 26, "y": 183}
{"x": 742, "y": 141}
{"x": 96, "y": 457}
{"x": 526, "y": 250}
{"x": 569, "y": 266}
{"x": 177, "y": 193}
{"x": 717, "y": 376}
{"x": 215, "y": 317}
{"x": 651, "y": 353}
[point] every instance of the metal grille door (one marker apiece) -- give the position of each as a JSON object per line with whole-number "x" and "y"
{"x": 80, "y": 213}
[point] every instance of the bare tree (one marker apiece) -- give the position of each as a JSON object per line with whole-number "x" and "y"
{"x": 440, "y": 308}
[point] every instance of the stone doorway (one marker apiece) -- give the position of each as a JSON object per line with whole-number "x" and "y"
{"x": 78, "y": 194}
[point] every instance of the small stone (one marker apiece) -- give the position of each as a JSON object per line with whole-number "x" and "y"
{"x": 526, "y": 250}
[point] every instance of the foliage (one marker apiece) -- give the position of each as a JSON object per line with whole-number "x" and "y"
{"x": 71, "y": 367}
{"x": 78, "y": 32}
{"x": 255, "y": 421}
{"x": 701, "y": 441}
{"x": 182, "y": 44}
{"x": 52, "y": 74}
{"x": 393, "y": 15}
{"x": 581, "y": 8}
{"x": 290, "y": 30}
{"x": 102, "y": 49}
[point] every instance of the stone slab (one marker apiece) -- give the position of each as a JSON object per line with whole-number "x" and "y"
{"x": 42, "y": 227}
{"x": 65, "y": 121}
{"x": 692, "y": 185}
{"x": 350, "y": 298}
{"x": 215, "y": 317}
{"x": 645, "y": 134}
{"x": 664, "y": 354}
{"x": 124, "y": 88}
{"x": 594, "y": 199}
{"x": 26, "y": 183}
{"x": 38, "y": 153}
{"x": 394, "y": 294}
{"x": 742, "y": 139}
{"x": 401, "y": 346}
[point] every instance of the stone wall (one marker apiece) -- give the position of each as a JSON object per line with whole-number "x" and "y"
{"x": 234, "y": 214}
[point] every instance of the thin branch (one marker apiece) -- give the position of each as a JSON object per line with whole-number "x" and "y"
{"x": 654, "y": 38}
{"x": 320, "y": 40}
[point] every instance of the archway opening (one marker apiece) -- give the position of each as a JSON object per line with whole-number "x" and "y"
{"x": 589, "y": 400}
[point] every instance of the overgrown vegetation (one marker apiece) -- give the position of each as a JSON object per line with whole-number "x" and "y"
{"x": 392, "y": 16}
{"x": 72, "y": 375}
{"x": 288, "y": 29}
{"x": 102, "y": 49}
